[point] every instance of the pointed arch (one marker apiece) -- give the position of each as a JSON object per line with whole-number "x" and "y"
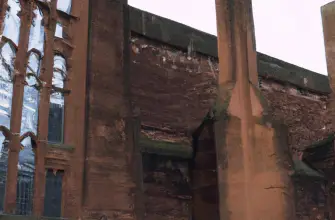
{"x": 32, "y": 136}
{"x": 7, "y": 58}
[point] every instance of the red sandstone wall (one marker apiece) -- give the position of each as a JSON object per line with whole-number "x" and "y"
{"x": 109, "y": 185}
{"x": 175, "y": 89}
{"x": 172, "y": 90}
{"x": 166, "y": 187}
{"x": 304, "y": 113}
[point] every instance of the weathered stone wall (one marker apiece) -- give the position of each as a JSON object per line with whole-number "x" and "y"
{"x": 303, "y": 112}
{"x": 311, "y": 199}
{"x": 109, "y": 184}
{"x": 167, "y": 188}
{"x": 173, "y": 87}
{"x": 175, "y": 90}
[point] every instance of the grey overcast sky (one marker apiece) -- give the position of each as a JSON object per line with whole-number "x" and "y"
{"x": 290, "y": 30}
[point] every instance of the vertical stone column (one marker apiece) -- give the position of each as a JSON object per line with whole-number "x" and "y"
{"x": 43, "y": 109}
{"x": 328, "y": 22}
{"x": 75, "y": 112}
{"x": 253, "y": 182}
{"x": 112, "y": 186}
{"x": 17, "y": 103}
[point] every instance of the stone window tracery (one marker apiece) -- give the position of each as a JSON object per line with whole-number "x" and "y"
{"x": 8, "y": 48}
{"x": 32, "y": 78}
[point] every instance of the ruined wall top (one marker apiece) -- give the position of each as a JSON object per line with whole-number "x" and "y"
{"x": 195, "y": 41}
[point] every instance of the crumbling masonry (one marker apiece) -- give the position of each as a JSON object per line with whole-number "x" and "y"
{"x": 110, "y": 112}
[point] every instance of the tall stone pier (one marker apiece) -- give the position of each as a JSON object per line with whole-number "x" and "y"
{"x": 328, "y": 21}
{"x": 252, "y": 153}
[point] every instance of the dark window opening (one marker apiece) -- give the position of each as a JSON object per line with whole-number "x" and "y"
{"x": 56, "y": 118}
{"x": 53, "y": 194}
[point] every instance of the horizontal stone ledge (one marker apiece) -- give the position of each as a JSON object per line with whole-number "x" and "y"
{"x": 165, "y": 148}
{"x": 22, "y": 217}
{"x": 61, "y": 146}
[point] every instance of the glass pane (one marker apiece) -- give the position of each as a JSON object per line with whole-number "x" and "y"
{"x": 3, "y": 170}
{"x": 12, "y": 21}
{"x": 58, "y": 80}
{"x": 59, "y": 73}
{"x": 6, "y": 86}
{"x": 25, "y": 180}
{"x": 60, "y": 64}
{"x": 59, "y": 30}
{"x": 36, "y": 36}
{"x": 56, "y": 118}
{"x": 6, "y": 93}
{"x": 33, "y": 67}
{"x": 53, "y": 194}
{"x": 33, "y": 64}
{"x": 64, "y": 5}
{"x": 7, "y": 57}
{"x": 29, "y": 110}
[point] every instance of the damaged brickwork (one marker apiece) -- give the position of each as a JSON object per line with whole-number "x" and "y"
{"x": 172, "y": 79}
{"x": 162, "y": 74}
{"x": 165, "y": 70}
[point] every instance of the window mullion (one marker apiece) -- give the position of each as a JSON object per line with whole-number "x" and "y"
{"x": 43, "y": 109}
{"x": 17, "y": 102}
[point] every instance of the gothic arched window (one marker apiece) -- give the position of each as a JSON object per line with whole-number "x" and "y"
{"x": 8, "y": 46}
{"x": 29, "y": 119}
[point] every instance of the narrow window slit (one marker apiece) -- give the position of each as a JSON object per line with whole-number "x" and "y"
{"x": 59, "y": 30}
